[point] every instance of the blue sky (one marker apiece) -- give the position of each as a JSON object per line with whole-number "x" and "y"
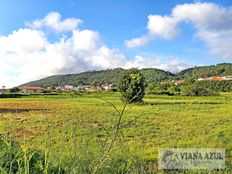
{"x": 114, "y": 27}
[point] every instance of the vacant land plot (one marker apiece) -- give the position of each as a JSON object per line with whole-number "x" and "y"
{"x": 76, "y": 130}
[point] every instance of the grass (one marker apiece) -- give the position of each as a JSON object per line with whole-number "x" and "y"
{"x": 73, "y": 131}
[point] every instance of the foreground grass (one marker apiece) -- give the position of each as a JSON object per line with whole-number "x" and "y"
{"x": 72, "y": 131}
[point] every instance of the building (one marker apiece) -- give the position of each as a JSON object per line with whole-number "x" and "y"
{"x": 178, "y": 82}
{"x": 227, "y": 78}
{"x": 94, "y": 88}
{"x": 201, "y": 79}
{"x": 215, "y": 78}
{"x": 68, "y": 87}
{"x": 106, "y": 86}
{"x": 31, "y": 89}
{"x": 2, "y": 91}
{"x": 82, "y": 87}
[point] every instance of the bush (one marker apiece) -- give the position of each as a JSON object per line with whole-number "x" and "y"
{"x": 197, "y": 91}
{"x": 168, "y": 88}
{"x": 131, "y": 85}
{"x": 14, "y": 90}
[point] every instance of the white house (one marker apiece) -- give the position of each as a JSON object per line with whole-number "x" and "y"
{"x": 106, "y": 86}
{"x": 69, "y": 87}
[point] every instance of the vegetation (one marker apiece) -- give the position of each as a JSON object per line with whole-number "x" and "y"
{"x": 168, "y": 88}
{"x": 70, "y": 133}
{"x": 131, "y": 85}
{"x": 19, "y": 159}
{"x": 95, "y": 133}
{"x": 14, "y": 90}
{"x": 223, "y": 69}
{"x": 217, "y": 86}
{"x": 187, "y": 89}
{"x": 191, "y": 87}
{"x": 98, "y": 77}
{"x": 152, "y": 75}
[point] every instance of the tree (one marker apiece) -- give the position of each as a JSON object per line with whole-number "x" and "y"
{"x": 131, "y": 85}
{"x": 194, "y": 90}
{"x": 14, "y": 90}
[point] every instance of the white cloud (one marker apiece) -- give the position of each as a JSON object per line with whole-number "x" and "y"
{"x": 162, "y": 26}
{"x": 53, "y": 21}
{"x": 212, "y": 22}
{"x": 172, "y": 64}
{"x": 137, "y": 42}
{"x": 85, "y": 40}
{"x": 208, "y": 16}
{"x": 21, "y": 41}
{"x": 27, "y": 54}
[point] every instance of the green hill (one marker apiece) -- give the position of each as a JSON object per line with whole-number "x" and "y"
{"x": 151, "y": 74}
{"x": 104, "y": 76}
{"x": 223, "y": 69}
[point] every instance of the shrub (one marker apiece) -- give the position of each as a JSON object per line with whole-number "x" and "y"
{"x": 168, "y": 88}
{"x": 197, "y": 91}
{"x": 131, "y": 85}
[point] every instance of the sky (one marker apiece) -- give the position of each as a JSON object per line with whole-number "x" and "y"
{"x": 44, "y": 38}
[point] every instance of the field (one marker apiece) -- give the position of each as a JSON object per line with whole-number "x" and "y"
{"x": 79, "y": 133}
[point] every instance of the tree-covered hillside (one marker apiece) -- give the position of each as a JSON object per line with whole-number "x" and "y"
{"x": 207, "y": 71}
{"x": 110, "y": 76}
{"x": 104, "y": 76}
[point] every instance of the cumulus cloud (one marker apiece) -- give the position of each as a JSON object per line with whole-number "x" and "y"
{"x": 162, "y": 26}
{"x": 85, "y": 40}
{"x": 212, "y": 22}
{"x": 27, "y": 54}
{"x": 137, "y": 42}
{"x": 54, "y": 22}
{"x": 172, "y": 64}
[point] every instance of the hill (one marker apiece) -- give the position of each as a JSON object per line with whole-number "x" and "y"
{"x": 151, "y": 74}
{"x": 223, "y": 69}
{"x": 104, "y": 76}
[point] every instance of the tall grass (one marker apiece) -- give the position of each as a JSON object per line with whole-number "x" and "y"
{"x": 74, "y": 142}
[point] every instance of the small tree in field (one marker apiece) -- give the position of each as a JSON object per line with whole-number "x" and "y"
{"x": 131, "y": 85}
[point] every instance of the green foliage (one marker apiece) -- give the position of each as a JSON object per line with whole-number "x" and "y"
{"x": 14, "y": 90}
{"x": 207, "y": 71}
{"x": 131, "y": 85}
{"x": 156, "y": 75}
{"x": 217, "y": 86}
{"x": 204, "y": 88}
{"x": 19, "y": 159}
{"x": 152, "y": 75}
{"x": 99, "y": 77}
{"x": 168, "y": 88}
{"x": 193, "y": 90}
{"x": 78, "y": 132}
{"x": 190, "y": 88}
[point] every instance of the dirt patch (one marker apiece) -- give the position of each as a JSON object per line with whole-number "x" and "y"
{"x": 7, "y": 110}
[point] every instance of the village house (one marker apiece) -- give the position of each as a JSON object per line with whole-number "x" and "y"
{"x": 227, "y": 78}
{"x": 178, "y": 82}
{"x": 94, "y": 88}
{"x": 31, "y": 89}
{"x": 69, "y": 87}
{"x": 215, "y": 78}
{"x": 89, "y": 88}
{"x": 106, "y": 86}
{"x": 2, "y": 91}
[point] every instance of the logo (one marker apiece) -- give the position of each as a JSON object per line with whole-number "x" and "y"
{"x": 191, "y": 158}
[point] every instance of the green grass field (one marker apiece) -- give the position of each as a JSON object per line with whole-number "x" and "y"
{"x": 73, "y": 131}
